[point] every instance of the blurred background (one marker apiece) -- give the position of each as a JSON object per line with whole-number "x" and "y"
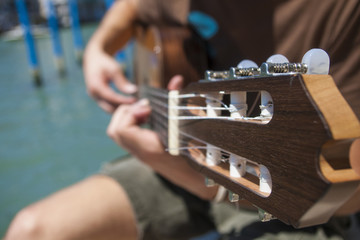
{"x": 51, "y": 133}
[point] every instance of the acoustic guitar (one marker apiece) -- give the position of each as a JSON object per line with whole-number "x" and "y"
{"x": 277, "y": 135}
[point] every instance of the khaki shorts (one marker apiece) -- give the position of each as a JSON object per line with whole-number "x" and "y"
{"x": 165, "y": 211}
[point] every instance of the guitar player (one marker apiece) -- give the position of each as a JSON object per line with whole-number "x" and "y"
{"x": 158, "y": 196}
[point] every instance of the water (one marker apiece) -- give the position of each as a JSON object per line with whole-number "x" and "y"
{"x": 50, "y": 137}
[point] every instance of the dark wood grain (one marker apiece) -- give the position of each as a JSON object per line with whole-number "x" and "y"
{"x": 290, "y": 145}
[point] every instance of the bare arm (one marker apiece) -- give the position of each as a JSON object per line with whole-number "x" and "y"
{"x": 99, "y": 69}
{"x": 99, "y": 66}
{"x": 116, "y": 27}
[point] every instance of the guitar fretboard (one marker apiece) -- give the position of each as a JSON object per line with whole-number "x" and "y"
{"x": 159, "y": 116}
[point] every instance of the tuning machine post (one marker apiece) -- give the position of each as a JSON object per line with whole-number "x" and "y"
{"x": 209, "y": 182}
{"x": 233, "y": 197}
{"x": 265, "y": 216}
{"x": 213, "y": 102}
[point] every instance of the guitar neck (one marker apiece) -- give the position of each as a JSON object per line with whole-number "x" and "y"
{"x": 159, "y": 118}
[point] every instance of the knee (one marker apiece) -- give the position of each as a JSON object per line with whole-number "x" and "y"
{"x": 26, "y": 225}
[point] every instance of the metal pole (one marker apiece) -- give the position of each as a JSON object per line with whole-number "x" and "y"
{"x": 75, "y": 28}
{"x": 55, "y": 37}
{"x": 29, "y": 41}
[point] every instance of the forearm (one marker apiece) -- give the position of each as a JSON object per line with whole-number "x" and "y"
{"x": 116, "y": 28}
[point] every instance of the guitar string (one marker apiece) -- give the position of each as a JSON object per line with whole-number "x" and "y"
{"x": 208, "y": 146}
{"x": 224, "y": 155}
{"x": 161, "y": 109}
{"x": 164, "y": 129}
{"x": 163, "y": 94}
{"x": 164, "y": 113}
{"x": 160, "y": 123}
{"x": 159, "y": 93}
{"x": 161, "y": 120}
{"x": 164, "y": 138}
{"x": 183, "y": 107}
{"x": 158, "y": 104}
{"x": 164, "y": 126}
{"x": 155, "y": 101}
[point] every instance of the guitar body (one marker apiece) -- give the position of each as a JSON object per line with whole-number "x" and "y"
{"x": 304, "y": 146}
{"x": 162, "y": 53}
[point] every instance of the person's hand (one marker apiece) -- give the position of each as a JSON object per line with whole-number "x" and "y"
{"x": 146, "y": 146}
{"x": 125, "y": 131}
{"x": 100, "y": 69}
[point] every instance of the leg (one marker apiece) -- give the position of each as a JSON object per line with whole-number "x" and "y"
{"x": 96, "y": 208}
{"x": 163, "y": 211}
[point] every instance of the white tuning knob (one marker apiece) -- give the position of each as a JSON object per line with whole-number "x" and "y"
{"x": 265, "y": 180}
{"x": 246, "y": 63}
{"x": 317, "y": 60}
{"x": 277, "y": 58}
{"x": 237, "y": 166}
{"x": 213, "y": 154}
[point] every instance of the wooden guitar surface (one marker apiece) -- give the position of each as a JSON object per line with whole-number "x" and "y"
{"x": 289, "y": 146}
{"x": 311, "y": 175}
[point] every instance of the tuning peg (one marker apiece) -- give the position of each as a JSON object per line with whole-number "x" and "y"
{"x": 277, "y": 58}
{"x": 209, "y": 182}
{"x": 265, "y": 181}
{"x": 233, "y": 197}
{"x": 267, "y": 105}
{"x": 317, "y": 61}
{"x": 265, "y": 216}
{"x": 237, "y": 166}
{"x": 213, "y": 101}
{"x": 213, "y": 155}
{"x": 267, "y": 108}
{"x": 244, "y": 68}
{"x": 238, "y": 104}
{"x": 246, "y": 63}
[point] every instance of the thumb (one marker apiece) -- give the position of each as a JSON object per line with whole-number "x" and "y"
{"x": 176, "y": 82}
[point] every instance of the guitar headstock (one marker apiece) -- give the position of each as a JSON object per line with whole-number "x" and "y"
{"x": 276, "y": 135}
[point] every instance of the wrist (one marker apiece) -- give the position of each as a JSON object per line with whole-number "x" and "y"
{"x": 94, "y": 46}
